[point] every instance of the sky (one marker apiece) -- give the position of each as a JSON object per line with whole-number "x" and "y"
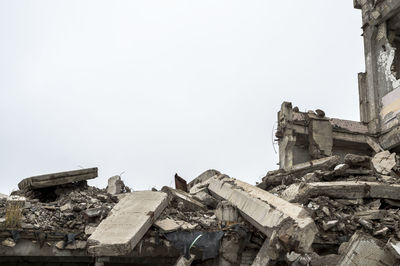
{"x": 146, "y": 89}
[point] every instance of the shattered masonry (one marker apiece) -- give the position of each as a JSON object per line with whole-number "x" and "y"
{"x": 335, "y": 199}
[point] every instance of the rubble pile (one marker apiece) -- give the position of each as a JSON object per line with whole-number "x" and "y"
{"x": 322, "y": 212}
{"x": 359, "y": 194}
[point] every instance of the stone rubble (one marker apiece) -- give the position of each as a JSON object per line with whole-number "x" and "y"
{"x": 320, "y": 213}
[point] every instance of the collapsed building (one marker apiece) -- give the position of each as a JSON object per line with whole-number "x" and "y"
{"x": 335, "y": 199}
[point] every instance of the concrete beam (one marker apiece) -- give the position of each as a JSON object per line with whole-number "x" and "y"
{"x": 341, "y": 190}
{"x": 56, "y": 179}
{"x": 267, "y": 212}
{"x": 127, "y": 223}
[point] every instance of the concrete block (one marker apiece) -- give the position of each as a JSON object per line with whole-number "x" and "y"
{"x": 115, "y": 185}
{"x": 365, "y": 250}
{"x": 128, "y": 221}
{"x": 300, "y": 192}
{"x": 226, "y": 212}
{"x": 56, "y": 179}
{"x": 267, "y": 212}
{"x": 384, "y": 162}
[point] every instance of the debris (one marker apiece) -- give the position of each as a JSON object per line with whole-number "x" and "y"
{"x": 188, "y": 202}
{"x": 203, "y": 177}
{"x": 182, "y": 261}
{"x": 9, "y": 242}
{"x": 366, "y": 250}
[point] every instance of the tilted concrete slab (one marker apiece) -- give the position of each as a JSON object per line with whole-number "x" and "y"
{"x": 341, "y": 190}
{"x": 365, "y": 250}
{"x": 267, "y": 212}
{"x": 127, "y": 223}
{"x": 56, "y": 179}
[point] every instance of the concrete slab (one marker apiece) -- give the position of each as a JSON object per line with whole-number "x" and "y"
{"x": 341, "y": 190}
{"x": 127, "y": 223}
{"x": 262, "y": 258}
{"x": 365, "y": 250}
{"x": 267, "y": 212}
{"x": 55, "y": 179}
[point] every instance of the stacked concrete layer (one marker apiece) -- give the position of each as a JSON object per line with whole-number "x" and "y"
{"x": 56, "y": 179}
{"x": 127, "y": 223}
{"x": 267, "y": 212}
{"x": 341, "y": 190}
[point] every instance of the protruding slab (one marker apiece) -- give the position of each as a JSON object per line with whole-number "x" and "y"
{"x": 267, "y": 212}
{"x": 56, "y": 179}
{"x": 341, "y": 190}
{"x": 127, "y": 223}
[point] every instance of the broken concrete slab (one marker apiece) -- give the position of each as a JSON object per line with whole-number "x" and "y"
{"x": 203, "y": 177}
{"x": 267, "y": 212}
{"x": 3, "y": 196}
{"x": 365, "y": 250}
{"x": 115, "y": 185}
{"x": 300, "y": 192}
{"x": 262, "y": 258}
{"x": 56, "y": 179}
{"x": 127, "y": 223}
{"x": 189, "y": 203}
{"x": 276, "y": 177}
{"x": 384, "y": 162}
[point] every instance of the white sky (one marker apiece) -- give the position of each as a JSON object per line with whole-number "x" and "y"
{"x": 151, "y": 88}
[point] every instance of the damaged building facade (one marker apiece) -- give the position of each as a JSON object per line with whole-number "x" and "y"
{"x": 335, "y": 199}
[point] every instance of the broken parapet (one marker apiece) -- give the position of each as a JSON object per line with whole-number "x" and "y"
{"x": 267, "y": 212}
{"x": 127, "y": 223}
{"x": 365, "y": 250}
{"x": 56, "y": 179}
{"x": 304, "y": 136}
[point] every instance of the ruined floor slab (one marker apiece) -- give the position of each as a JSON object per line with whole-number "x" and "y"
{"x": 341, "y": 190}
{"x": 56, "y": 179}
{"x": 365, "y": 250}
{"x": 127, "y": 223}
{"x": 267, "y": 212}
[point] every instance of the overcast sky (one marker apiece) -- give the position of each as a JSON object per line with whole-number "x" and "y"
{"x": 149, "y": 88}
